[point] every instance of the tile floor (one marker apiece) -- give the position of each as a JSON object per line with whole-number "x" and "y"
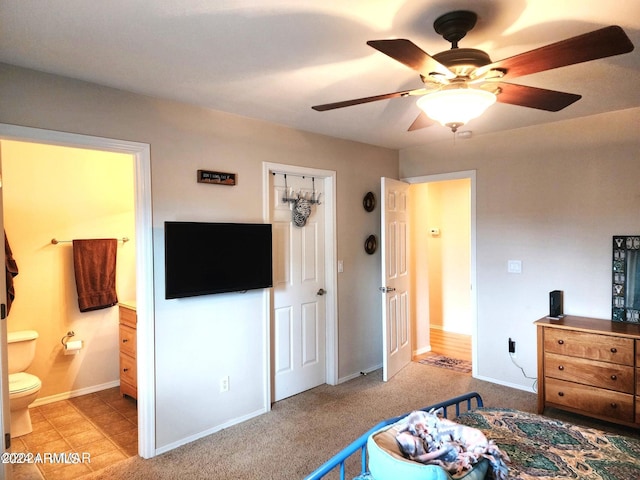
{"x": 102, "y": 425}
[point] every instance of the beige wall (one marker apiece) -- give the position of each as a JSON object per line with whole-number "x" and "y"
{"x": 66, "y": 193}
{"x": 201, "y": 339}
{"x": 551, "y": 196}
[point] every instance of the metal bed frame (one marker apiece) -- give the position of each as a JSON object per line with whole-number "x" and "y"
{"x": 360, "y": 444}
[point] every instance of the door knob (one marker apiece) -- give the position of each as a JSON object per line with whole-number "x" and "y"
{"x": 387, "y": 289}
{"x": 321, "y": 292}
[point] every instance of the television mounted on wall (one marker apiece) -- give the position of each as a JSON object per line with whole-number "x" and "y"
{"x": 206, "y": 258}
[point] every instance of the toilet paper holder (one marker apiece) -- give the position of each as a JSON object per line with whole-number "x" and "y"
{"x": 70, "y": 347}
{"x": 64, "y": 339}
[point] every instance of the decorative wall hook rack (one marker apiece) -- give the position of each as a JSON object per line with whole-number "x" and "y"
{"x": 300, "y": 202}
{"x": 292, "y": 197}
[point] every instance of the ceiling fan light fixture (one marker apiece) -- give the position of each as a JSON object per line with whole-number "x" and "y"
{"x": 455, "y": 107}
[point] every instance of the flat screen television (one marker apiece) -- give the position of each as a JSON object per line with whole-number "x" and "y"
{"x": 205, "y": 258}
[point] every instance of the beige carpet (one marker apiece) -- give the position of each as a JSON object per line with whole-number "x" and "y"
{"x": 302, "y": 432}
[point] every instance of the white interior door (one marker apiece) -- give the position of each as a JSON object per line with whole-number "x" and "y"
{"x": 299, "y": 310}
{"x": 396, "y": 326}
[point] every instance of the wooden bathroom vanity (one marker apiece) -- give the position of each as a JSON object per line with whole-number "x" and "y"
{"x": 128, "y": 361}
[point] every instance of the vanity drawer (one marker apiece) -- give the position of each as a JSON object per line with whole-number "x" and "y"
{"x": 128, "y": 340}
{"x": 591, "y": 400}
{"x": 128, "y": 372}
{"x": 128, "y": 316}
{"x": 612, "y": 376}
{"x": 590, "y": 345}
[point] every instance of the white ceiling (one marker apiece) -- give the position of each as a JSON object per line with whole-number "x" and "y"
{"x": 274, "y": 59}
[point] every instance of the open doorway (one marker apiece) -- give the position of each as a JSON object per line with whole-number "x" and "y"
{"x": 443, "y": 222}
{"x": 76, "y": 194}
{"x": 143, "y": 247}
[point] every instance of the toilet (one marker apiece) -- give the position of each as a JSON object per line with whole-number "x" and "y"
{"x": 23, "y": 387}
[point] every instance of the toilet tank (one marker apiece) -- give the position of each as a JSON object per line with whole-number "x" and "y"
{"x": 21, "y": 349}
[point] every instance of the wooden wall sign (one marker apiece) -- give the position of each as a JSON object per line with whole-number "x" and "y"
{"x": 217, "y": 178}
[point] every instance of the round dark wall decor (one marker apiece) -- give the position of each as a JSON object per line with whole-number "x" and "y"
{"x": 371, "y": 244}
{"x": 369, "y": 202}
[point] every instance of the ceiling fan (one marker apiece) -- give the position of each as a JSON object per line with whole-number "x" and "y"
{"x": 460, "y": 79}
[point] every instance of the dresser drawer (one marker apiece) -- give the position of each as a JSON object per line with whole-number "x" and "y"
{"x": 590, "y": 372}
{"x": 590, "y": 400}
{"x": 128, "y": 369}
{"x": 589, "y": 345}
{"x": 128, "y": 340}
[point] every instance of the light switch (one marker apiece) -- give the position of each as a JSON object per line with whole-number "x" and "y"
{"x": 340, "y": 266}
{"x": 514, "y": 266}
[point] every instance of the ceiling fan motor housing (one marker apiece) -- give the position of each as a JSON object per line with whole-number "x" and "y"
{"x": 453, "y": 26}
{"x": 462, "y": 61}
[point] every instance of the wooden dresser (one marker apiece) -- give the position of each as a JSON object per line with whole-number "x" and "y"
{"x": 590, "y": 366}
{"x": 128, "y": 362}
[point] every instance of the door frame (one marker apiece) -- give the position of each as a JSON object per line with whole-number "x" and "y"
{"x": 471, "y": 176}
{"x": 330, "y": 267}
{"x": 144, "y": 259}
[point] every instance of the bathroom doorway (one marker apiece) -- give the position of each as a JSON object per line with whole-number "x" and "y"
{"x": 140, "y": 247}
{"x": 67, "y": 200}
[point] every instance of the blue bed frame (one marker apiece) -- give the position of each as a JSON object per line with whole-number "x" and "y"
{"x": 461, "y": 404}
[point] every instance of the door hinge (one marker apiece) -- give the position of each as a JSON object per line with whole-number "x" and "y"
{"x": 3, "y": 311}
{"x": 7, "y": 441}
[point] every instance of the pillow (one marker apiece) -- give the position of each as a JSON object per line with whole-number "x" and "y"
{"x": 387, "y": 463}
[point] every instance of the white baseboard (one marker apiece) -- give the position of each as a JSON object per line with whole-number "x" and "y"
{"x": 74, "y": 393}
{"x": 506, "y": 384}
{"x": 210, "y": 431}
{"x": 422, "y": 350}
{"x": 356, "y": 375}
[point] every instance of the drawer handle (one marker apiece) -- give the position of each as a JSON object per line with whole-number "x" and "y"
{"x": 561, "y": 394}
{"x": 125, "y": 370}
{"x": 614, "y": 350}
{"x": 560, "y": 367}
{"x": 560, "y": 342}
{"x": 614, "y": 405}
{"x": 614, "y": 377}
{"x": 125, "y": 340}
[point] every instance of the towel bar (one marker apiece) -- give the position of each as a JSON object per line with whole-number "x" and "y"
{"x": 55, "y": 242}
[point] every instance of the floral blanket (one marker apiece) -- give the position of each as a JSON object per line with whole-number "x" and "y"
{"x": 428, "y": 438}
{"x": 541, "y": 448}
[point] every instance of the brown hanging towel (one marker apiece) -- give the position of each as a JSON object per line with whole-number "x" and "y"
{"x": 12, "y": 270}
{"x": 94, "y": 264}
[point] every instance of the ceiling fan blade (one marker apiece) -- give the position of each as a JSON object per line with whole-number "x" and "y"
{"x": 358, "y": 101}
{"x": 409, "y": 54}
{"x": 533, "y": 97}
{"x": 421, "y": 121}
{"x": 601, "y": 43}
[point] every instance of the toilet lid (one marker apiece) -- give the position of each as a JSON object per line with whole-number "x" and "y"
{"x": 21, "y": 381}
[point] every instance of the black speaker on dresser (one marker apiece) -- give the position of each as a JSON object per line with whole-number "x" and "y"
{"x": 555, "y": 304}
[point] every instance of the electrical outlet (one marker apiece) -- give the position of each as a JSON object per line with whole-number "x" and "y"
{"x": 224, "y": 384}
{"x": 512, "y": 346}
